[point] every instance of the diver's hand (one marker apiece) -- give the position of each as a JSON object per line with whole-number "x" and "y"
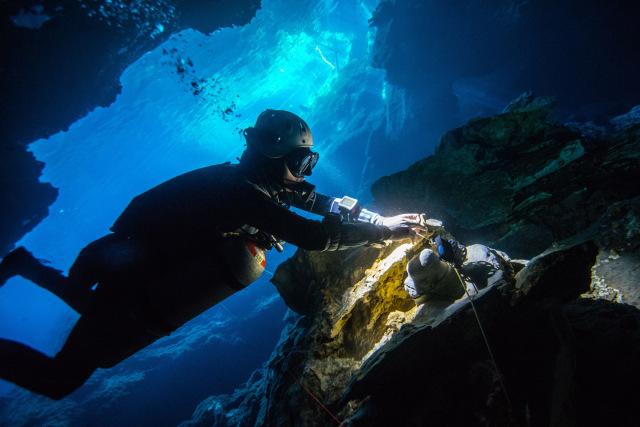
{"x": 412, "y": 221}
{"x": 400, "y": 220}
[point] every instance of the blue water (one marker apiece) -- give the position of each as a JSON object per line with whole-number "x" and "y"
{"x": 157, "y": 128}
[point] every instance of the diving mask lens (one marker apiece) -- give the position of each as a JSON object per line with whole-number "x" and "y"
{"x": 301, "y": 162}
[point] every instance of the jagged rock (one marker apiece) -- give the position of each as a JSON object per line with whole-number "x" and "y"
{"x": 616, "y": 274}
{"x": 627, "y": 120}
{"x": 369, "y": 357}
{"x": 556, "y": 274}
{"x": 435, "y": 354}
{"x": 529, "y": 102}
{"x": 302, "y": 279}
{"x": 24, "y": 199}
{"x": 430, "y": 70}
{"x": 517, "y": 181}
{"x": 360, "y": 307}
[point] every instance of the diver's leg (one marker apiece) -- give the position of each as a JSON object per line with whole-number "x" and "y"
{"x": 93, "y": 262}
{"x": 10, "y": 264}
{"x": 21, "y": 262}
{"x": 30, "y": 369}
{"x": 111, "y": 257}
{"x": 57, "y": 376}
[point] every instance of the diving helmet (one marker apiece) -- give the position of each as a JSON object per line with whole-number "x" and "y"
{"x": 281, "y": 134}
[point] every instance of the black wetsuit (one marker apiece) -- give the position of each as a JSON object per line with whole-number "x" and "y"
{"x": 198, "y": 207}
{"x": 161, "y": 267}
{"x": 176, "y": 229}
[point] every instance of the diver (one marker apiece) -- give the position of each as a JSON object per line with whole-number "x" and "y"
{"x": 185, "y": 245}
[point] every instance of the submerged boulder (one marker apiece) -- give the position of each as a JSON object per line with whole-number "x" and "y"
{"x": 518, "y": 181}
{"x": 368, "y": 356}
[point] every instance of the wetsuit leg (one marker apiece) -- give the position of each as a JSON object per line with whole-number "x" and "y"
{"x": 108, "y": 333}
{"x": 102, "y": 339}
{"x": 94, "y": 262}
{"x": 21, "y": 262}
{"x": 53, "y": 377}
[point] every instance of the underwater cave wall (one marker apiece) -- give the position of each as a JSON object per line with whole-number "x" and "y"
{"x": 519, "y": 181}
{"x": 456, "y": 61}
{"x": 62, "y": 59}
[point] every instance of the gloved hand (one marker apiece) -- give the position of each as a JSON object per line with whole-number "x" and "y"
{"x": 451, "y": 251}
{"x": 407, "y": 220}
{"x": 402, "y": 226}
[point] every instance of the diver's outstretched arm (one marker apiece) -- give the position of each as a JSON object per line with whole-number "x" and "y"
{"x": 54, "y": 377}
{"x": 21, "y": 262}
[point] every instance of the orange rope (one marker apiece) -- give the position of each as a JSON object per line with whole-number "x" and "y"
{"x": 317, "y": 400}
{"x": 309, "y": 392}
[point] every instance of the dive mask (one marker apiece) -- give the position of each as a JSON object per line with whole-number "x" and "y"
{"x": 301, "y": 161}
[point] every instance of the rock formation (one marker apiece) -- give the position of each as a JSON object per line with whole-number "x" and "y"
{"x": 62, "y": 59}
{"x": 519, "y": 180}
{"x": 451, "y": 63}
{"x": 560, "y": 348}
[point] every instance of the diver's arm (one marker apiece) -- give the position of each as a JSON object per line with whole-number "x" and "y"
{"x": 315, "y": 203}
{"x": 331, "y": 234}
{"x": 345, "y": 235}
{"x": 351, "y": 211}
{"x": 347, "y": 207}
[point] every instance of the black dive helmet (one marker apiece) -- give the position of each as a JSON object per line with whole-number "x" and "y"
{"x": 280, "y": 134}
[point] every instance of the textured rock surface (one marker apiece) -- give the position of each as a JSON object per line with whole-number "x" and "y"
{"x": 518, "y": 181}
{"x": 369, "y": 357}
{"x": 24, "y": 199}
{"x": 364, "y": 354}
{"x": 455, "y": 381}
{"x": 62, "y": 59}
{"x": 616, "y": 274}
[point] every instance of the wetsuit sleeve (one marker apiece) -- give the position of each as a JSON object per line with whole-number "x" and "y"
{"x": 322, "y": 205}
{"x": 263, "y": 213}
{"x": 316, "y": 203}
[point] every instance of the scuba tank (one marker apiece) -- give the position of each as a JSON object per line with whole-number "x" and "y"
{"x": 245, "y": 259}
